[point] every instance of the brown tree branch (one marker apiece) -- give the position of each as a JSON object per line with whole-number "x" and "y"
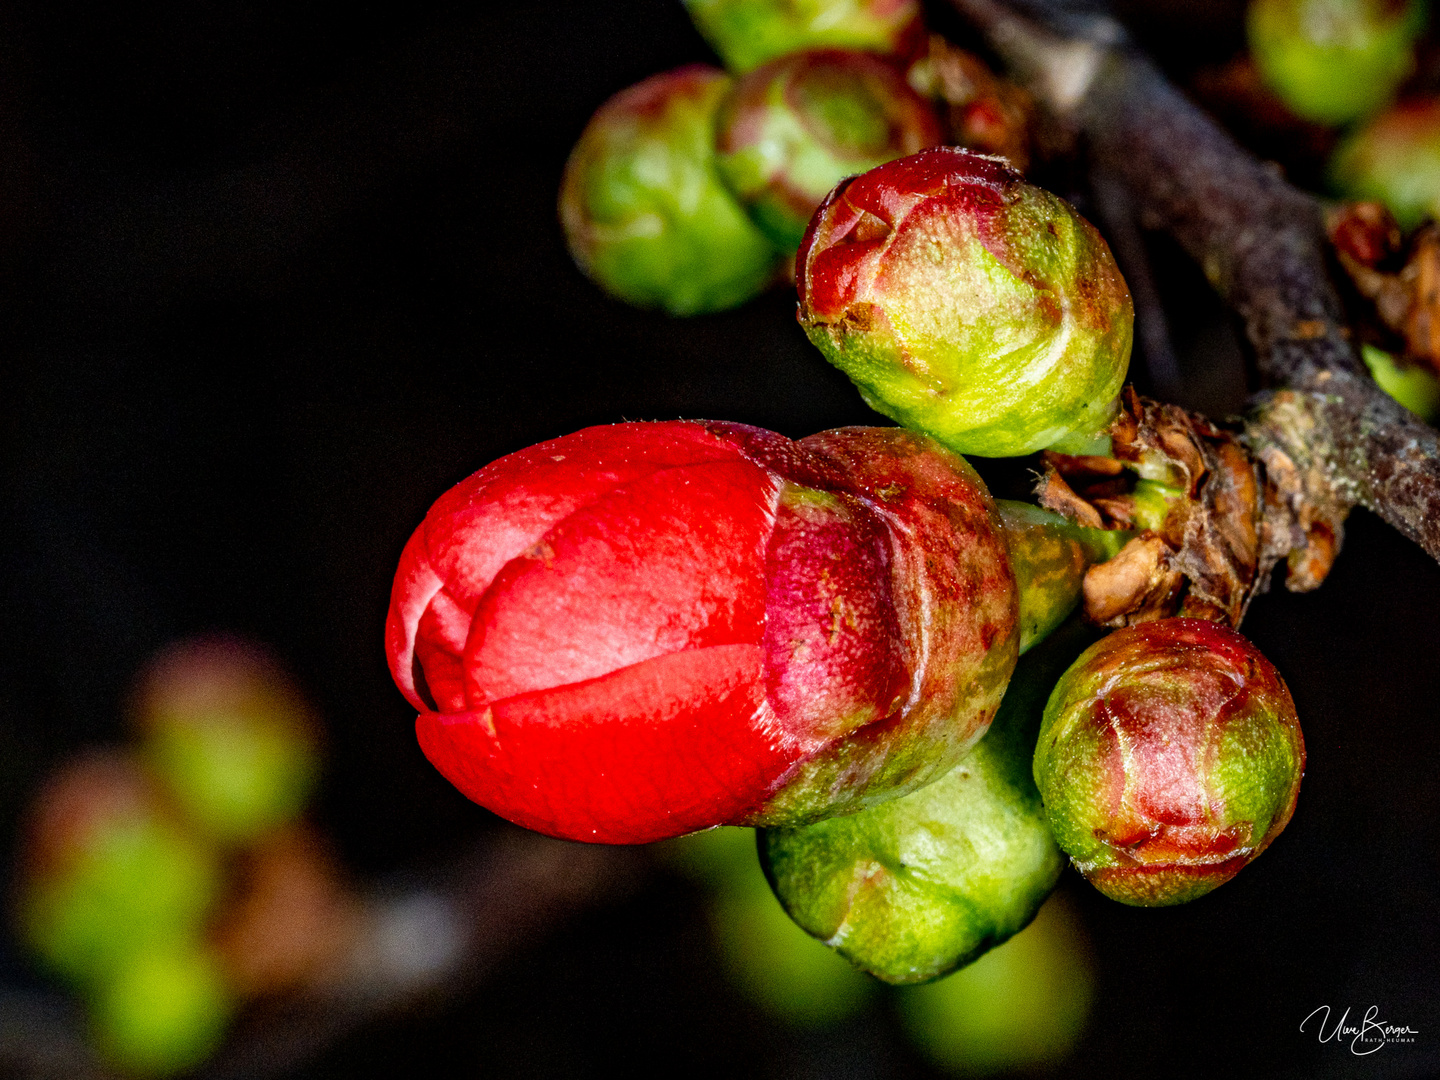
{"x": 1323, "y": 423}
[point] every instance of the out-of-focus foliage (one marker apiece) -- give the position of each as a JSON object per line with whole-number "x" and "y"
{"x": 109, "y": 873}
{"x": 162, "y": 1011}
{"x": 1021, "y": 1006}
{"x": 1333, "y": 61}
{"x": 771, "y": 961}
{"x": 169, "y": 882}
{"x": 229, "y": 735}
{"x": 1394, "y": 159}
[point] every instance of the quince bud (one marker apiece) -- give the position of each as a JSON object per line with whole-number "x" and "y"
{"x": 792, "y": 129}
{"x": 641, "y": 630}
{"x": 968, "y": 304}
{"x": 107, "y": 873}
{"x": 229, "y": 735}
{"x": 920, "y": 885}
{"x": 1395, "y": 159}
{"x": 1169, "y": 757}
{"x": 645, "y": 212}
{"x": 747, "y": 33}
{"x": 1332, "y": 61}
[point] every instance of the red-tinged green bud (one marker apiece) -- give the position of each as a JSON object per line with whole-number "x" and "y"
{"x": 1395, "y": 160}
{"x": 645, "y": 212}
{"x": 641, "y": 630}
{"x": 1050, "y": 555}
{"x": 1411, "y": 385}
{"x": 747, "y": 33}
{"x": 229, "y": 735}
{"x": 791, "y": 130}
{"x": 1332, "y": 61}
{"x": 920, "y": 885}
{"x": 161, "y": 1012}
{"x": 967, "y": 304}
{"x": 1170, "y": 756}
{"x": 106, "y": 874}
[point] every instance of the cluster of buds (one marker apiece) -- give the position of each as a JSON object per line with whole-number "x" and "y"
{"x": 677, "y": 183}
{"x": 169, "y": 884}
{"x": 643, "y": 630}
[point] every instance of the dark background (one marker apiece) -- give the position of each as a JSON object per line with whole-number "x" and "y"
{"x": 274, "y": 275}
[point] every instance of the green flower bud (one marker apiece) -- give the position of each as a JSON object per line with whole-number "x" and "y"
{"x": 1413, "y": 386}
{"x": 795, "y": 127}
{"x": 1394, "y": 159}
{"x": 1169, "y": 757}
{"x": 967, "y": 304}
{"x": 229, "y": 735}
{"x": 918, "y": 886}
{"x": 106, "y": 874}
{"x": 1332, "y": 61}
{"x": 1050, "y": 555}
{"x": 162, "y": 1012}
{"x": 747, "y": 33}
{"x": 645, "y": 212}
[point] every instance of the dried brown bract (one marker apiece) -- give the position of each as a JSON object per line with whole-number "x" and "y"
{"x": 1401, "y": 279}
{"x": 1213, "y": 517}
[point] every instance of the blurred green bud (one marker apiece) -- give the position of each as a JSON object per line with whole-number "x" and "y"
{"x": 106, "y": 874}
{"x": 1021, "y": 1006}
{"x": 1170, "y": 756}
{"x": 1395, "y": 160}
{"x": 1050, "y": 555}
{"x": 229, "y": 735}
{"x": 792, "y": 129}
{"x": 1413, "y": 386}
{"x": 967, "y": 304}
{"x": 715, "y": 858}
{"x": 1332, "y": 61}
{"x": 645, "y": 212}
{"x": 925, "y": 883}
{"x": 770, "y": 960}
{"x": 747, "y": 33}
{"x": 161, "y": 1012}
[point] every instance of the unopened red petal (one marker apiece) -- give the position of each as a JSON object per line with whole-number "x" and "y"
{"x": 670, "y": 745}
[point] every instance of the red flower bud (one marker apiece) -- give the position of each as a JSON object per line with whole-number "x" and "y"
{"x": 1169, "y": 757}
{"x": 641, "y": 630}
